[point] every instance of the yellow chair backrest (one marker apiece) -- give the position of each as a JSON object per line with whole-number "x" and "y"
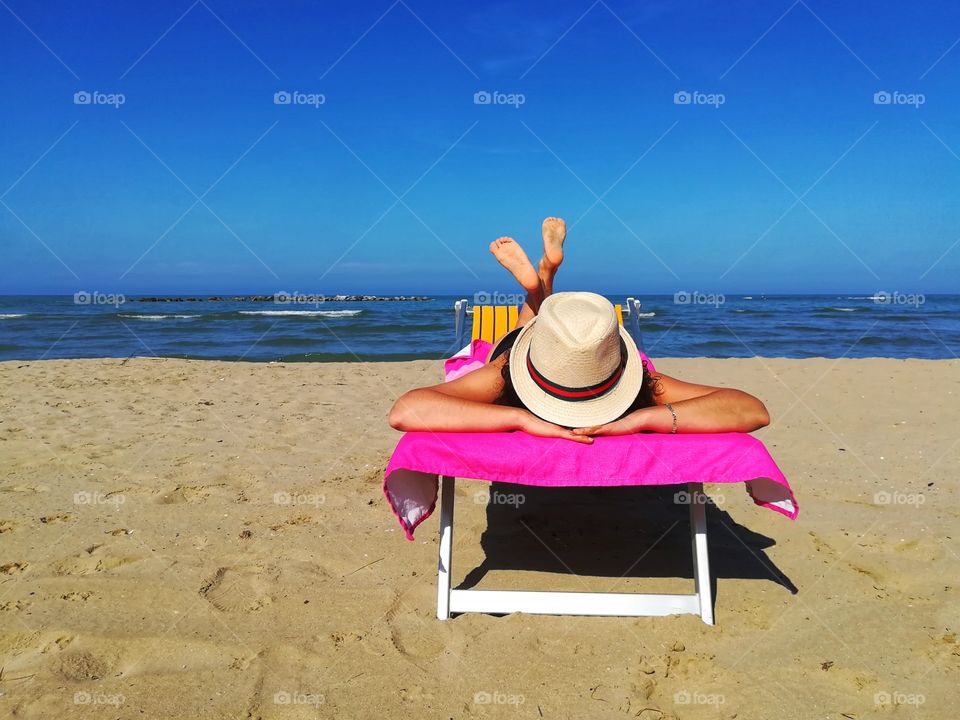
{"x": 494, "y": 321}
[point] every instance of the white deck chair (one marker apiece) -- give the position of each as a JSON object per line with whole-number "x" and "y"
{"x": 490, "y": 322}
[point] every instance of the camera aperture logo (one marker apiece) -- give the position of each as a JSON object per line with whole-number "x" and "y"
{"x": 295, "y": 97}
{"x": 695, "y": 97}
{"x": 86, "y": 97}
{"x": 895, "y": 97}
{"x": 485, "y": 97}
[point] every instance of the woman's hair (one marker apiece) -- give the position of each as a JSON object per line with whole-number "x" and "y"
{"x": 649, "y": 388}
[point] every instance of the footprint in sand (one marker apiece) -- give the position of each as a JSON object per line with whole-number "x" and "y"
{"x": 7, "y": 526}
{"x": 293, "y": 522}
{"x": 821, "y": 545}
{"x": 58, "y": 643}
{"x": 412, "y": 636}
{"x": 58, "y": 518}
{"x": 92, "y": 560}
{"x": 240, "y": 588}
{"x": 184, "y": 494}
{"x": 415, "y": 694}
{"x": 26, "y": 488}
{"x": 14, "y": 568}
{"x": 349, "y": 642}
{"x": 14, "y": 606}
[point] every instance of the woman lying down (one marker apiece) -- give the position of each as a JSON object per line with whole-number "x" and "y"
{"x": 569, "y": 371}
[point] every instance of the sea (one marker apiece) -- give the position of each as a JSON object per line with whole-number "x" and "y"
{"x": 852, "y": 325}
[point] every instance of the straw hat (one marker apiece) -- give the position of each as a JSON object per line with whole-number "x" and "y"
{"x": 573, "y": 364}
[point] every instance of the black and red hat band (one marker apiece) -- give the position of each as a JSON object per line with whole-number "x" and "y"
{"x": 579, "y": 394}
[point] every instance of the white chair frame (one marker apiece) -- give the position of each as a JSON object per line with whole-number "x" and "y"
{"x": 451, "y": 601}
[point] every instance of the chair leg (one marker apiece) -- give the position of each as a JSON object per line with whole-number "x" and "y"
{"x": 701, "y": 561}
{"x": 446, "y": 547}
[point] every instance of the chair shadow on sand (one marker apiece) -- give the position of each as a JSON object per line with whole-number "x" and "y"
{"x": 616, "y": 532}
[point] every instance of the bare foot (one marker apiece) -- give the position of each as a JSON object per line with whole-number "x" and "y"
{"x": 509, "y": 254}
{"x": 554, "y": 233}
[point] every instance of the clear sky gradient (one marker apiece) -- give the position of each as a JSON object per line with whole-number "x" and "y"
{"x": 199, "y": 183}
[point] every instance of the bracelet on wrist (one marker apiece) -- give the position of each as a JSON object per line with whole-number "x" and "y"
{"x": 673, "y": 413}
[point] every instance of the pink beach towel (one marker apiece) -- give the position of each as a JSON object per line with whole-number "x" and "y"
{"x": 411, "y": 478}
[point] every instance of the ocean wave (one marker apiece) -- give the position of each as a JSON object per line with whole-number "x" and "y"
{"x": 304, "y": 313}
{"x": 362, "y": 356}
{"x": 8, "y": 316}
{"x": 138, "y": 316}
{"x": 646, "y": 314}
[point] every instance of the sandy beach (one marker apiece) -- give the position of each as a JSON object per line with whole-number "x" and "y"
{"x": 194, "y": 538}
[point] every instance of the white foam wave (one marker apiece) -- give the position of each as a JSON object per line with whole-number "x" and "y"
{"x": 5, "y": 316}
{"x": 646, "y": 314}
{"x": 304, "y": 313}
{"x": 843, "y": 309}
{"x": 155, "y": 317}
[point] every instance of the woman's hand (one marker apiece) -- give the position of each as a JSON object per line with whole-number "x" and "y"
{"x": 632, "y": 423}
{"x": 533, "y": 425}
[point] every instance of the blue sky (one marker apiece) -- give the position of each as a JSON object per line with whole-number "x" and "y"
{"x": 782, "y": 175}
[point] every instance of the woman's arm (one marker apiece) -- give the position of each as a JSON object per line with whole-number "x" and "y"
{"x": 468, "y": 405}
{"x": 699, "y": 409}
